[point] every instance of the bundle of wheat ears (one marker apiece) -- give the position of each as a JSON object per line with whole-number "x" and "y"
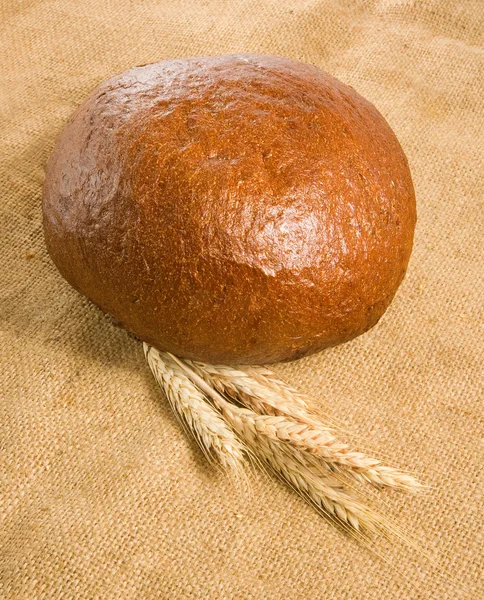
{"x": 239, "y": 412}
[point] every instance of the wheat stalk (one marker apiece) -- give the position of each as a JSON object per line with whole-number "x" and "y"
{"x": 287, "y": 416}
{"x": 210, "y": 430}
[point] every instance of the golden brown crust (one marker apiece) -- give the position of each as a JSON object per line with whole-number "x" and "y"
{"x": 233, "y": 209}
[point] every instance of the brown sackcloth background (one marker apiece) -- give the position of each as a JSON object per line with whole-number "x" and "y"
{"x": 101, "y": 495}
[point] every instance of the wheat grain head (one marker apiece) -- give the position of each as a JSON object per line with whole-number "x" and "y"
{"x": 287, "y": 416}
{"x": 213, "y": 434}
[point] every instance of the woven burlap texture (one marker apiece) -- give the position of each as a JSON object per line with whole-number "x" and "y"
{"x": 101, "y": 495}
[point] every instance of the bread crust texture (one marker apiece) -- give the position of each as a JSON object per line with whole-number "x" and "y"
{"x": 233, "y": 209}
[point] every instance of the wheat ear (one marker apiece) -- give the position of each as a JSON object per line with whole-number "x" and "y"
{"x": 255, "y": 430}
{"x": 273, "y": 382}
{"x": 320, "y": 491}
{"x": 215, "y": 437}
{"x": 361, "y": 467}
{"x": 242, "y": 386}
{"x": 291, "y": 420}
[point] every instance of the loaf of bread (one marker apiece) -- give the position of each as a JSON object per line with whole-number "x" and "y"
{"x": 231, "y": 209}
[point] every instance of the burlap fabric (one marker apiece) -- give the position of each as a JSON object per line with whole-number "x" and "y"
{"x": 101, "y": 495}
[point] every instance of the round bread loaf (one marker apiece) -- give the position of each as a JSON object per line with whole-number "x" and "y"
{"x": 231, "y": 209}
